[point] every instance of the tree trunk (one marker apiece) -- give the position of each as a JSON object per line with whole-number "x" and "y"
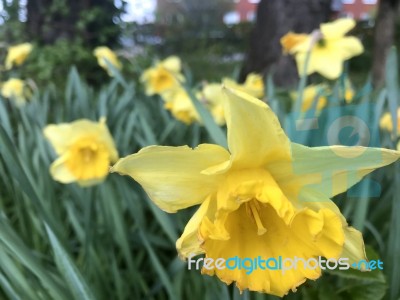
{"x": 383, "y": 38}
{"x": 274, "y": 19}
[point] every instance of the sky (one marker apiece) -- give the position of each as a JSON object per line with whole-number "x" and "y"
{"x": 141, "y": 11}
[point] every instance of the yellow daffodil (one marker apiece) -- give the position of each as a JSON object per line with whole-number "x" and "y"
{"x": 180, "y": 105}
{"x": 309, "y": 95}
{"x": 106, "y": 56}
{"x": 213, "y": 95}
{"x": 164, "y": 76}
{"x": 213, "y": 98}
{"x": 85, "y": 151}
{"x": 348, "y": 92}
{"x": 329, "y": 48}
{"x": 253, "y": 85}
{"x": 16, "y": 90}
{"x": 17, "y": 55}
{"x": 386, "y": 122}
{"x": 264, "y": 197}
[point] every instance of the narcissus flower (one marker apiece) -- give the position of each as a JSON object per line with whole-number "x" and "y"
{"x": 348, "y": 93}
{"x": 178, "y": 102}
{"x": 264, "y": 197}
{"x": 213, "y": 96}
{"x": 16, "y": 90}
{"x": 106, "y": 56}
{"x": 164, "y": 76}
{"x": 17, "y": 55}
{"x": 85, "y": 149}
{"x": 386, "y": 122}
{"x": 309, "y": 96}
{"x": 253, "y": 85}
{"x": 328, "y": 47}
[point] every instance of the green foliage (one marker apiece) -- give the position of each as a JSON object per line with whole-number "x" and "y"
{"x": 51, "y": 63}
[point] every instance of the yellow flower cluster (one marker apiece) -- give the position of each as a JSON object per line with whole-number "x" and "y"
{"x": 14, "y": 88}
{"x": 165, "y": 79}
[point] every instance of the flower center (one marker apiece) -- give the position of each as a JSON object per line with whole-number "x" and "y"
{"x": 253, "y": 208}
{"x": 88, "y": 158}
{"x": 163, "y": 81}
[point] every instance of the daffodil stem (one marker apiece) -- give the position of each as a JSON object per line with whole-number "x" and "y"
{"x": 302, "y": 85}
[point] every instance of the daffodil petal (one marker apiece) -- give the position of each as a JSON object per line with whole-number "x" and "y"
{"x": 337, "y": 29}
{"x": 172, "y": 64}
{"x": 58, "y": 135}
{"x": 60, "y": 172}
{"x": 334, "y": 169}
{"x": 254, "y": 133}
{"x": 328, "y": 65}
{"x": 189, "y": 242}
{"x": 354, "y": 248}
{"x": 348, "y": 47}
{"x": 326, "y": 62}
{"x": 172, "y": 176}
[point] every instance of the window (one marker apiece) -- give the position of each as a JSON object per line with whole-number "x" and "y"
{"x": 232, "y": 17}
{"x": 372, "y": 2}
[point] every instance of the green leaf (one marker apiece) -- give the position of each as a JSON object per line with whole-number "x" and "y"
{"x": 370, "y": 285}
{"x": 69, "y": 271}
{"x": 215, "y": 132}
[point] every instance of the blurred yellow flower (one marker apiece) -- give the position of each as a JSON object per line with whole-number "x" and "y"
{"x": 329, "y": 48}
{"x": 386, "y": 122}
{"x": 16, "y": 90}
{"x": 17, "y": 55}
{"x": 265, "y": 197}
{"x": 348, "y": 92}
{"x": 180, "y": 105}
{"x": 253, "y": 85}
{"x": 213, "y": 97}
{"x": 104, "y": 55}
{"x": 164, "y": 76}
{"x": 309, "y": 95}
{"x": 85, "y": 149}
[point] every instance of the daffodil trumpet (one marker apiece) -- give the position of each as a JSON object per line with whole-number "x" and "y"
{"x": 85, "y": 151}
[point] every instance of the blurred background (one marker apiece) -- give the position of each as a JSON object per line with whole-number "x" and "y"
{"x": 110, "y": 241}
{"x": 215, "y": 38}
